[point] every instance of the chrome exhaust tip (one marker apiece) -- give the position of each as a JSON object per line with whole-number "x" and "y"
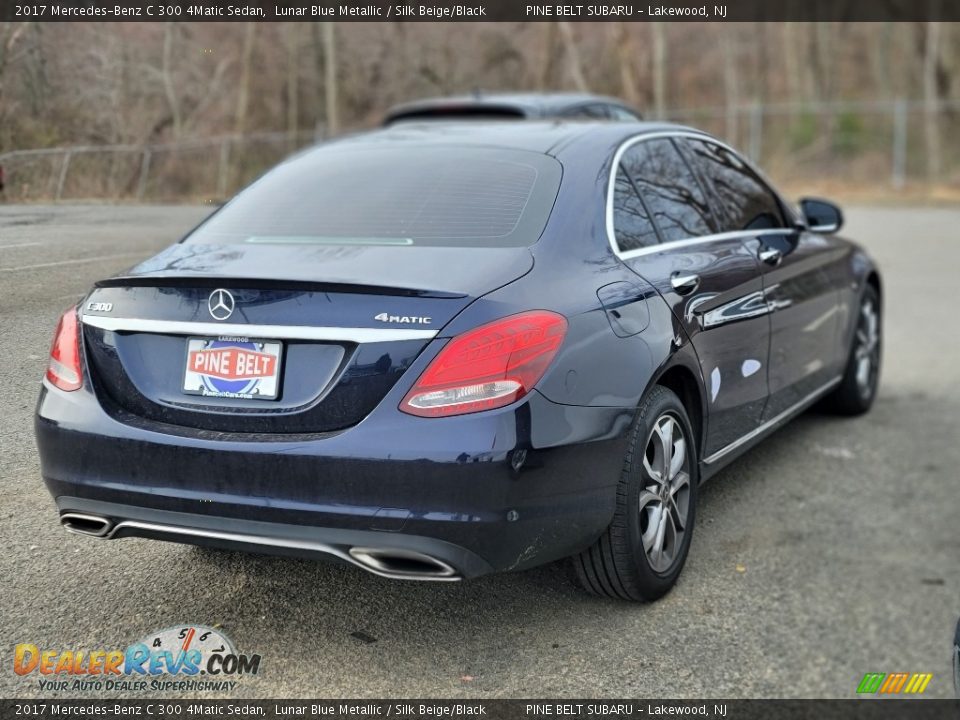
{"x": 82, "y": 524}
{"x": 402, "y": 564}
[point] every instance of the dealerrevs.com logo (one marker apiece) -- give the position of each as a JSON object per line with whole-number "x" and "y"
{"x": 185, "y": 658}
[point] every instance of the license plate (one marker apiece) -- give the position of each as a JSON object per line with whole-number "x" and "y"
{"x": 229, "y": 367}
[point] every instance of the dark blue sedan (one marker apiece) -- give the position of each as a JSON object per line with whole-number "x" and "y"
{"x": 438, "y": 351}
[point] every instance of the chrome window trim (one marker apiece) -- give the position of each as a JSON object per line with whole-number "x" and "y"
{"x": 267, "y": 332}
{"x": 673, "y": 244}
{"x": 773, "y": 422}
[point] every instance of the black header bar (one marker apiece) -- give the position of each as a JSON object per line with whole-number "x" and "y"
{"x": 186, "y": 709}
{"x": 482, "y": 10}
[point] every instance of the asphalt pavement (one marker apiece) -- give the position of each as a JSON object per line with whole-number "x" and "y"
{"x": 830, "y": 551}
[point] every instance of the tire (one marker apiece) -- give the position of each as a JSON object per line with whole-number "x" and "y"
{"x": 618, "y": 565}
{"x": 956, "y": 660}
{"x": 858, "y": 388}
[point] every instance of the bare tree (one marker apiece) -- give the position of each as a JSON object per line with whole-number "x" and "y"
{"x": 625, "y": 55}
{"x": 64, "y": 83}
{"x": 293, "y": 77}
{"x": 330, "y": 77}
{"x": 931, "y": 99}
{"x": 549, "y": 55}
{"x": 731, "y": 84}
{"x": 10, "y": 34}
{"x": 880, "y": 61}
{"x": 659, "y": 51}
{"x": 243, "y": 88}
{"x": 168, "y": 82}
{"x": 822, "y": 61}
{"x": 791, "y": 66}
{"x": 573, "y": 56}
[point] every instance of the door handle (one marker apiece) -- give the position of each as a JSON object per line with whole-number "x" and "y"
{"x": 684, "y": 284}
{"x": 771, "y": 256}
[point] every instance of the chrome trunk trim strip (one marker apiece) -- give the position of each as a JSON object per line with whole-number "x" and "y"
{"x": 267, "y": 332}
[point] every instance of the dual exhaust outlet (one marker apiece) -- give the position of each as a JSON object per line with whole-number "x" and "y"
{"x": 393, "y": 563}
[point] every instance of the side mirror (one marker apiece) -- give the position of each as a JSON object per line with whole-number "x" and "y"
{"x": 822, "y": 216}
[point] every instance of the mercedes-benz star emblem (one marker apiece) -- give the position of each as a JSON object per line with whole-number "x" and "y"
{"x": 220, "y": 304}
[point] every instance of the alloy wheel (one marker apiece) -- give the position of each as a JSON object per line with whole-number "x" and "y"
{"x": 664, "y": 502}
{"x": 867, "y": 351}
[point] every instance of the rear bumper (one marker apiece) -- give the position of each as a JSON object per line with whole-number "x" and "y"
{"x": 493, "y": 491}
{"x": 401, "y": 557}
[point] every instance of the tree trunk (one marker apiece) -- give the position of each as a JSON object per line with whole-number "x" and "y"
{"x": 659, "y": 51}
{"x": 822, "y": 64}
{"x": 168, "y": 86}
{"x": 293, "y": 79}
{"x": 243, "y": 88}
{"x": 330, "y": 77}
{"x": 544, "y": 81}
{"x": 791, "y": 69}
{"x": 790, "y": 75}
{"x": 11, "y": 33}
{"x": 573, "y": 57}
{"x": 628, "y": 76}
{"x": 931, "y": 99}
{"x": 731, "y": 84}
{"x": 880, "y": 62}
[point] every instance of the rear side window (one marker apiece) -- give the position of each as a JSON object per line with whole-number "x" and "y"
{"x": 410, "y": 195}
{"x": 632, "y": 226}
{"x": 745, "y": 201}
{"x": 587, "y": 112}
{"x": 669, "y": 189}
{"x": 619, "y": 113}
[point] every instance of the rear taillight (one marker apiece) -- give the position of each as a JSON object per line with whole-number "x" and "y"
{"x": 64, "y": 369}
{"x": 488, "y": 367}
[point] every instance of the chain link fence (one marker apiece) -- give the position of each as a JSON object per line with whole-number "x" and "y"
{"x": 187, "y": 170}
{"x": 882, "y": 145}
{"x": 871, "y": 145}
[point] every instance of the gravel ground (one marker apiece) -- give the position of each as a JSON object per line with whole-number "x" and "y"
{"x": 829, "y": 551}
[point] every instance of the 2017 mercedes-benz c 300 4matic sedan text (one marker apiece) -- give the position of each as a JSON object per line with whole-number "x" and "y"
{"x": 445, "y": 350}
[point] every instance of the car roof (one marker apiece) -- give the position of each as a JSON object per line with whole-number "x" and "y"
{"x": 523, "y": 104}
{"x": 546, "y": 137}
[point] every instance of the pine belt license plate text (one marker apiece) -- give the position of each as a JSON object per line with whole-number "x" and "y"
{"x": 232, "y": 367}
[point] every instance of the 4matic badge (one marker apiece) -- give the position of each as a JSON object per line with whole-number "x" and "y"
{"x": 409, "y": 319}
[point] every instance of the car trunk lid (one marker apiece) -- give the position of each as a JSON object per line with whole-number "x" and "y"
{"x": 342, "y": 325}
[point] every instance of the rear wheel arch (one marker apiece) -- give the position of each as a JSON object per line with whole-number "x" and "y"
{"x": 655, "y": 509}
{"x": 858, "y": 385}
{"x": 683, "y": 381}
{"x": 873, "y": 280}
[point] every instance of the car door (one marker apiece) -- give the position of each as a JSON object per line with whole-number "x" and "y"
{"x": 800, "y": 276}
{"x": 665, "y": 232}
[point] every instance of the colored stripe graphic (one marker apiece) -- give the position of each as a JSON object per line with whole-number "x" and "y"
{"x": 894, "y": 683}
{"x": 870, "y": 683}
{"x": 918, "y": 683}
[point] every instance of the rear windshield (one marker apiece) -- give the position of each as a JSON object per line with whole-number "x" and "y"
{"x": 414, "y": 195}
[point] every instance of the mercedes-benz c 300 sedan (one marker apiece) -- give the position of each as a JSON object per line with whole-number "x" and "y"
{"x": 446, "y": 350}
